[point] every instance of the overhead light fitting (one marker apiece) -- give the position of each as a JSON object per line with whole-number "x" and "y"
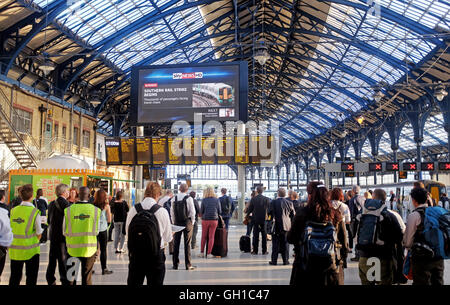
{"x": 378, "y": 95}
{"x": 360, "y": 120}
{"x": 440, "y": 93}
{"x": 47, "y": 66}
{"x": 261, "y": 53}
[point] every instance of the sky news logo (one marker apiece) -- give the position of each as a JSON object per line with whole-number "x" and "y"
{"x": 193, "y": 75}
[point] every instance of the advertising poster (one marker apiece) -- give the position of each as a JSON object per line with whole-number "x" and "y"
{"x": 48, "y": 184}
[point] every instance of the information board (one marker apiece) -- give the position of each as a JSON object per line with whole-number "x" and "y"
{"x": 192, "y": 146}
{"x": 241, "y": 150}
{"x": 208, "y": 150}
{"x": 225, "y": 150}
{"x": 161, "y": 94}
{"x": 112, "y": 148}
{"x": 143, "y": 151}
{"x": 159, "y": 151}
{"x": 128, "y": 151}
{"x": 175, "y": 149}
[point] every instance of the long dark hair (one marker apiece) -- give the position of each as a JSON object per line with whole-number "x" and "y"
{"x": 319, "y": 208}
{"x": 100, "y": 199}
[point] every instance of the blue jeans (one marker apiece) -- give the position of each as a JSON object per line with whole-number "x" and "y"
{"x": 226, "y": 219}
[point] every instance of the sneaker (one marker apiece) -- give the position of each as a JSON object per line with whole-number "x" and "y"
{"x": 201, "y": 255}
{"x": 272, "y": 263}
{"x": 254, "y": 253}
{"x": 106, "y": 271}
{"x": 286, "y": 263}
{"x": 355, "y": 259}
{"x": 118, "y": 251}
{"x": 191, "y": 268}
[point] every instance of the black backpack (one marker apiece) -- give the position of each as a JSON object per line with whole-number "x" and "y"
{"x": 370, "y": 232}
{"x": 144, "y": 238}
{"x": 225, "y": 205}
{"x": 180, "y": 211}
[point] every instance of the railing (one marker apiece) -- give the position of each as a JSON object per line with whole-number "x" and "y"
{"x": 55, "y": 145}
{"x": 7, "y": 112}
{"x": 4, "y": 173}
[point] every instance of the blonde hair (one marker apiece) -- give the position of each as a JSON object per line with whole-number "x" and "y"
{"x": 367, "y": 195}
{"x": 153, "y": 190}
{"x": 209, "y": 192}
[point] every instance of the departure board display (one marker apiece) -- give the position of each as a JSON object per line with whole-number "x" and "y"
{"x": 175, "y": 148}
{"x": 128, "y": 151}
{"x": 159, "y": 149}
{"x": 112, "y": 146}
{"x": 208, "y": 150}
{"x": 241, "y": 150}
{"x": 192, "y": 148}
{"x": 225, "y": 150}
{"x": 143, "y": 151}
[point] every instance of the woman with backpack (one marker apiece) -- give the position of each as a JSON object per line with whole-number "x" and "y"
{"x": 317, "y": 265}
{"x": 119, "y": 209}
{"x": 209, "y": 212}
{"x": 101, "y": 201}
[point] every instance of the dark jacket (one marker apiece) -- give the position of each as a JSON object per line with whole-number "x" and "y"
{"x": 120, "y": 210}
{"x": 226, "y": 200}
{"x": 41, "y": 205}
{"x": 259, "y": 207}
{"x": 6, "y": 207}
{"x": 55, "y": 219}
{"x": 197, "y": 209}
{"x": 210, "y": 209}
{"x": 318, "y": 274}
{"x": 282, "y": 211}
{"x": 355, "y": 205}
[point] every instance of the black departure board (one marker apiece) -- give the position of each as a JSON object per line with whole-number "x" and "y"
{"x": 175, "y": 149}
{"x": 192, "y": 150}
{"x": 209, "y": 150}
{"x": 143, "y": 151}
{"x": 112, "y": 146}
{"x": 225, "y": 150}
{"x": 159, "y": 151}
{"x": 241, "y": 150}
{"x": 128, "y": 150}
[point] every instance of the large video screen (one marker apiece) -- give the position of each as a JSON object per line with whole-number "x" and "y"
{"x": 164, "y": 94}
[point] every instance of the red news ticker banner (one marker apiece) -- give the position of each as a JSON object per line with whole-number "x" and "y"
{"x": 151, "y": 85}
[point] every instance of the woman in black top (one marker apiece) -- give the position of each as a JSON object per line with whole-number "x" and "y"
{"x": 40, "y": 202}
{"x": 319, "y": 209}
{"x": 119, "y": 209}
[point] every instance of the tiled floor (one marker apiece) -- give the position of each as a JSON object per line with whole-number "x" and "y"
{"x": 237, "y": 268}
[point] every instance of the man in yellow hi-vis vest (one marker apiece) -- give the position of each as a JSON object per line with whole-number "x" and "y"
{"x": 26, "y": 227}
{"x": 81, "y": 227}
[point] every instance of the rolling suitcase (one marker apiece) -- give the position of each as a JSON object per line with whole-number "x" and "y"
{"x": 244, "y": 243}
{"x": 220, "y": 247}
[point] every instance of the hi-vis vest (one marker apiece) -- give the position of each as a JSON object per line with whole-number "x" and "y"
{"x": 81, "y": 224}
{"x": 25, "y": 244}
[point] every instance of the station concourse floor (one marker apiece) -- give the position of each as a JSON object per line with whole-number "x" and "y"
{"x": 237, "y": 268}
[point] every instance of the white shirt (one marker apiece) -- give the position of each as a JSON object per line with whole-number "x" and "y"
{"x": 165, "y": 228}
{"x": 163, "y": 200}
{"x": 343, "y": 208}
{"x": 399, "y": 219}
{"x": 189, "y": 203}
{"x": 6, "y": 235}
{"x": 38, "y": 221}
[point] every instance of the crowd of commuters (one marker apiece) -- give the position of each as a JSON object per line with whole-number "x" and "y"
{"x": 323, "y": 231}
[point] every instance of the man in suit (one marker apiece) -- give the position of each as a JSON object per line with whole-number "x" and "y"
{"x": 258, "y": 207}
{"x": 355, "y": 205}
{"x": 282, "y": 212}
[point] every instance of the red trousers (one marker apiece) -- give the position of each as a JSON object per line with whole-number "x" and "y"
{"x": 208, "y": 231}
